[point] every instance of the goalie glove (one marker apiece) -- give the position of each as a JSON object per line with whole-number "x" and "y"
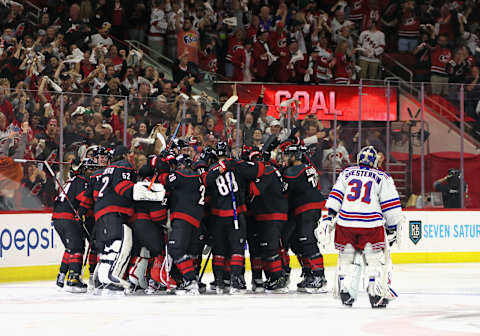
{"x": 392, "y": 235}
{"x": 324, "y": 230}
{"x": 141, "y": 192}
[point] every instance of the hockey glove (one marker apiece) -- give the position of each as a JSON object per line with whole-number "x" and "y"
{"x": 324, "y": 231}
{"x": 391, "y": 233}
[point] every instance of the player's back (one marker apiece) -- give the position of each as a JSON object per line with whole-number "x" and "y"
{"x": 362, "y": 195}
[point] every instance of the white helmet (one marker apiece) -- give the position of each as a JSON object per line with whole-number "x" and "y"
{"x": 368, "y": 156}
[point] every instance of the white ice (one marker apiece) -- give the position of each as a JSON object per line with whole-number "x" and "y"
{"x": 434, "y": 299}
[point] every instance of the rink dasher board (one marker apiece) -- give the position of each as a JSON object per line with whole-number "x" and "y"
{"x": 30, "y": 248}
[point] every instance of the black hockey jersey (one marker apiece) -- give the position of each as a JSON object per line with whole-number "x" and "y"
{"x": 269, "y": 202}
{"x": 86, "y": 197}
{"x": 113, "y": 191}
{"x": 302, "y": 188}
{"x": 61, "y": 207}
{"x": 186, "y": 198}
{"x": 237, "y": 178}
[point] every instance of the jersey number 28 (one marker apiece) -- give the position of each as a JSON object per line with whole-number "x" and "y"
{"x": 356, "y": 190}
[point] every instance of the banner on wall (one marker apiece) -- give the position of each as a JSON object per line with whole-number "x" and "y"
{"x": 322, "y": 100}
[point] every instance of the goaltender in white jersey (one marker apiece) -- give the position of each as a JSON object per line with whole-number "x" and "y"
{"x": 364, "y": 209}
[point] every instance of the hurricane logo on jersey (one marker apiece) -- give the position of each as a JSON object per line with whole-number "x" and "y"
{"x": 415, "y": 231}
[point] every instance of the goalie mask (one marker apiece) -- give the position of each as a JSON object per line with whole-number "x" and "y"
{"x": 368, "y": 156}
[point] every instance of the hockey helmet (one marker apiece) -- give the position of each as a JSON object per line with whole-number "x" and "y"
{"x": 184, "y": 161}
{"x": 296, "y": 151}
{"x": 222, "y": 149}
{"x": 368, "y": 156}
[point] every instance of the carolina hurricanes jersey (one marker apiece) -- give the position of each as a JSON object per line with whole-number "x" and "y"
{"x": 62, "y": 208}
{"x": 303, "y": 188}
{"x": 364, "y": 197}
{"x": 439, "y": 58}
{"x": 270, "y": 202}
{"x": 186, "y": 196}
{"x": 113, "y": 192}
{"x": 237, "y": 178}
{"x": 321, "y": 70}
{"x": 373, "y": 42}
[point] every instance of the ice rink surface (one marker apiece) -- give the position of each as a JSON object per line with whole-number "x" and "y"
{"x": 435, "y": 299}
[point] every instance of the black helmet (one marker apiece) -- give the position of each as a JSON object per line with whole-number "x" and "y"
{"x": 296, "y": 150}
{"x": 184, "y": 161}
{"x": 222, "y": 149}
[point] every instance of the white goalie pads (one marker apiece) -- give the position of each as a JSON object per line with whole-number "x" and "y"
{"x": 141, "y": 192}
{"x": 138, "y": 271}
{"x": 114, "y": 260}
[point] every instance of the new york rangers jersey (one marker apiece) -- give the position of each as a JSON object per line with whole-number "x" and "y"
{"x": 364, "y": 197}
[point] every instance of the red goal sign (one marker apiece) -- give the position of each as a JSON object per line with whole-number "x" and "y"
{"x": 325, "y": 100}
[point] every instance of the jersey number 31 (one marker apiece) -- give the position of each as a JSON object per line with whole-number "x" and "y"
{"x": 356, "y": 190}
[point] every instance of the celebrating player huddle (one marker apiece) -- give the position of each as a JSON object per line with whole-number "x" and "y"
{"x": 148, "y": 229}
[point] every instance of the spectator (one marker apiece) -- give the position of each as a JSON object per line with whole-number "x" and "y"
{"x": 371, "y": 44}
{"x": 440, "y": 55}
{"x": 342, "y": 64}
{"x": 158, "y": 26}
{"x": 408, "y": 27}
{"x": 188, "y": 40}
{"x": 262, "y": 58}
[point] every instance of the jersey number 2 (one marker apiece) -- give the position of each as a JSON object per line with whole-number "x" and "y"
{"x": 356, "y": 190}
{"x": 105, "y": 181}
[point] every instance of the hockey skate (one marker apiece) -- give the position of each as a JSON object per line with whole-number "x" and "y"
{"x": 315, "y": 284}
{"x": 60, "y": 280}
{"x": 258, "y": 286}
{"x": 237, "y": 285}
{"x": 378, "y": 302}
{"x": 112, "y": 290}
{"x": 221, "y": 288}
{"x": 347, "y": 300}
{"x": 301, "y": 285}
{"x": 187, "y": 287}
{"x": 202, "y": 288}
{"x": 75, "y": 284}
{"x": 277, "y": 286}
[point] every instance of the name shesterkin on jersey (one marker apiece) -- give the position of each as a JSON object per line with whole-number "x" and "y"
{"x": 365, "y": 172}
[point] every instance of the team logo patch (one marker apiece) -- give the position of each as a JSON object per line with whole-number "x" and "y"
{"x": 415, "y": 231}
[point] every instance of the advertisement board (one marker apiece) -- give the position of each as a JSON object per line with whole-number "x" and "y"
{"x": 322, "y": 100}
{"x": 30, "y": 249}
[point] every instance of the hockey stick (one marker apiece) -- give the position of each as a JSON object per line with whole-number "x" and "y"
{"x": 39, "y": 161}
{"x": 234, "y": 201}
{"x": 166, "y": 148}
{"x": 205, "y": 266}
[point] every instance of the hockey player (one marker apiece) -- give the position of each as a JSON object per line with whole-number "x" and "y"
{"x": 226, "y": 182}
{"x": 101, "y": 157}
{"x": 149, "y": 233}
{"x": 114, "y": 194}
{"x": 186, "y": 202}
{"x": 70, "y": 229}
{"x": 270, "y": 208}
{"x": 304, "y": 198}
{"x": 367, "y": 203}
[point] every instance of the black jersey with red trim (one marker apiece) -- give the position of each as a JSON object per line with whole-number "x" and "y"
{"x": 302, "y": 188}
{"x": 237, "y": 178}
{"x": 74, "y": 187}
{"x": 113, "y": 191}
{"x": 270, "y": 201}
{"x": 86, "y": 197}
{"x": 186, "y": 196}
